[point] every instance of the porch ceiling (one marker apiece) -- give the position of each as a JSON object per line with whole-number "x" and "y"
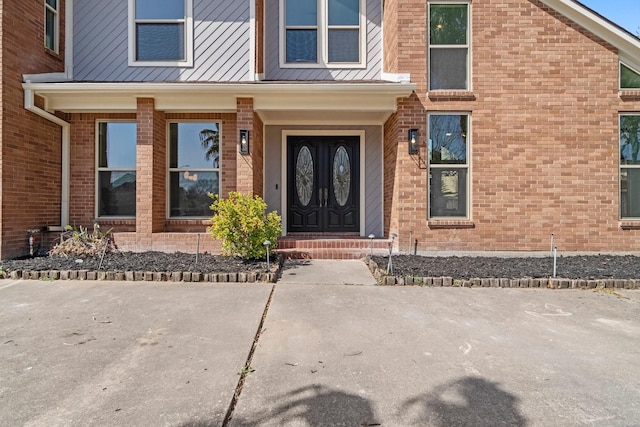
{"x": 282, "y": 102}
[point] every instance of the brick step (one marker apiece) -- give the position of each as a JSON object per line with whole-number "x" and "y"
{"x": 330, "y": 253}
{"x": 311, "y": 243}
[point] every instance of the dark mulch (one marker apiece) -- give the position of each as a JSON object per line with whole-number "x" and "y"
{"x": 143, "y": 261}
{"x": 571, "y": 267}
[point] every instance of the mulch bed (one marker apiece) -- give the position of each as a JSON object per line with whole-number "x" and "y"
{"x": 583, "y": 272}
{"x": 156, "y": 266}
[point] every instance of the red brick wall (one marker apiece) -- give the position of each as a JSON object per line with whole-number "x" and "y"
{"x": 544, "y": 142}
{"x": 390, "y": 42}
{"x": 30, "y": 149}
{"x": 258, "y": 156}
{"x": 244, "y": 163}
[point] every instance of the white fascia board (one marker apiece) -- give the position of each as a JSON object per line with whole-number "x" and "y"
{"x": 628, "y": 46}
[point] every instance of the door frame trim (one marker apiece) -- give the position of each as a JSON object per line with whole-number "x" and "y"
{"x": 284, "y": 208}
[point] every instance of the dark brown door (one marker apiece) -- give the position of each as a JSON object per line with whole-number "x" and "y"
{"x": 323, "y": 184}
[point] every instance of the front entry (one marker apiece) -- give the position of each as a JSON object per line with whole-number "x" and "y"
{"x": 323, "y": 184}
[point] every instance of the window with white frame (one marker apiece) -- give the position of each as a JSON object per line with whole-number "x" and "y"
{"x": 322, "y": 33}
{"x": 448, "y": 46}
{"x": 51, "y": 27}
{"x": 448, "y": 165}
{"x": 161, "y": 32}
{"x": 194, "y": 168}
{"x": 629, "y": 78}
{"x": 116, "y": 158}
{"x": 630, "y": 166}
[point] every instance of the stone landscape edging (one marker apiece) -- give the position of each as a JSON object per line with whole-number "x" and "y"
{"x": 495, "y": 282}
{"x": 149, "y": 276}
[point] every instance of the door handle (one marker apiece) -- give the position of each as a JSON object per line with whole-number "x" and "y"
{"x": 320, "y": 196}
{"x": 326, "y": 196}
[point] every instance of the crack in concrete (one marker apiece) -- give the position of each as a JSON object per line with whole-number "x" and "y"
{"x": 246, "y": 368}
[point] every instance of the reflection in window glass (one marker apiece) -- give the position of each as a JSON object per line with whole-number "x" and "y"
{"x": 344, "y": 45}
{"x": 630, "y": 166}
{"x": 302, "y": 13}
{"x": 448, "y": 165}
{"x": 116, "y": 169}
{"x": 160, "y": 30}
{"x": 448, "y": 46}
{"x": 302, "y": 46}
{"x": 344, "y": 12}
{"x": 160, "y": 9}
{"x": 51, "y": 25}
{"x": 194, "y": 168}
{"x": 629, "y": 79}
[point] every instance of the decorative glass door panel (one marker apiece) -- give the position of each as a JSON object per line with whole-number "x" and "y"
{"x": 323, "y": 184}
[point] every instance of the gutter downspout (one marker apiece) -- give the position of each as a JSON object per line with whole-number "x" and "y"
{"x": 29, "y": 105}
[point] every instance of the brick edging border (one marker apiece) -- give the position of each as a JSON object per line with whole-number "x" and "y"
{"x": 493, "y": 282}
{"x": 147, "y": 276}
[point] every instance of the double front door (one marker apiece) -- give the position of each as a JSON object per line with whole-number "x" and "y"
{"x": 323, "y": 184}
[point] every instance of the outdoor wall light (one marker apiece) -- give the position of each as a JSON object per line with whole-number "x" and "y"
{"x": 414, "y": 140}
{"x": 244, "y": 141}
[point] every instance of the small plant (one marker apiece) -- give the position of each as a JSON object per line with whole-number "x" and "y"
{"x": 80, "y": 242}
{"x": 243, "y": 225}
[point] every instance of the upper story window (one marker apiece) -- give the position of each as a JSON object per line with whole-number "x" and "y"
{"x": 448, "y": 166}
{"x": 194, "y": 168}
{"x": 160, "y": 33}
{"x": 51, "y": 27}
{"x": 322, "y": 33}
{"x": 630, "y": 166}
{"x": 449, "y": 46}
{"x": 116, "y": 183}
{"x": 629, "y": 78}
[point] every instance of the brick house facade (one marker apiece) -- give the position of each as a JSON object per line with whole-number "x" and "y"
{"x": 538, "y": 114}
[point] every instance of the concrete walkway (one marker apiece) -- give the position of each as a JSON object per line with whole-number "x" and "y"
{"x": 100, "y": 353}
{"x": 326, "y": 272}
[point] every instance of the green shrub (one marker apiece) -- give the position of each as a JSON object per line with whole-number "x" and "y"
{"x": 241, "y": 222}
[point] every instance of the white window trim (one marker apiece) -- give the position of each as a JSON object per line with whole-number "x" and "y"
{"x": 188, "y": 37}
{"x": 456, "y": 46}
{"x": 101, "y": 169}
{"x": 466, "y": 166}
{"x": 170, "y": 169}
{"x": 620, "y": 75}
{"x": 56, "y": 33}
{"x": 621, "y": 167}
{"x": 322, "y": 28}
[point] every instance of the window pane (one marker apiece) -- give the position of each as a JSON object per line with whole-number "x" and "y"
{"x": 448, "y": 24}
{"x": 50, "y": 30}
{"x": 194, "y": 145}
{"x": 629, "y": 79}
{"x": 630, "y": 193}
{"x": 630, "y": 140}
{"x": 448, "y": 139}
{"x": 160, "y": 42}
{"x": 117, "y": 193}
{"x": 302, "y": 46}
{"x": 160, "y": 9}
{"x": 448, "y": 69}
{"x": 344, "y": 46}
{"x": 53, "y": 3}
{"x": 190, "y": 193}
{"x": 117, "y": 145}
{"x": 301, "y": 13}
{"x": 448, "y": 193}
{"x": 344, "y": 12}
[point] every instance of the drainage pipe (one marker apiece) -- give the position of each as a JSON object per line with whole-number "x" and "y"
{"x": 29, "y": 104}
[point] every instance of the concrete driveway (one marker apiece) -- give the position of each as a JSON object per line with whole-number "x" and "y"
{"x": 100, "y": 353}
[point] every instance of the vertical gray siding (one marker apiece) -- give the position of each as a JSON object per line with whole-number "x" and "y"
{"x": 373, "y": 51}
{"x": 372, "y": 164}
{"x": 221, "y": 43}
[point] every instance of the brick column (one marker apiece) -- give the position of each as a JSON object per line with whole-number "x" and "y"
{"x": 244, "y": 163}
{"x": 150, "y": 173}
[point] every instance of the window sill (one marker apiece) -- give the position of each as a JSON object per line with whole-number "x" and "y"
{"x": 116, "y": 221}
{"x": 193, "y": 221}
{"x": 630, "y": 94}
{"x": 53, "y": 53}
{"x": 629, "y": 224}
{"x": 450, "y": 223}
{"x": 451, "y": 95}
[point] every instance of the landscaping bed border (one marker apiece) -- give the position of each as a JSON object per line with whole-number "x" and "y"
{"x": 495, "y": 282}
